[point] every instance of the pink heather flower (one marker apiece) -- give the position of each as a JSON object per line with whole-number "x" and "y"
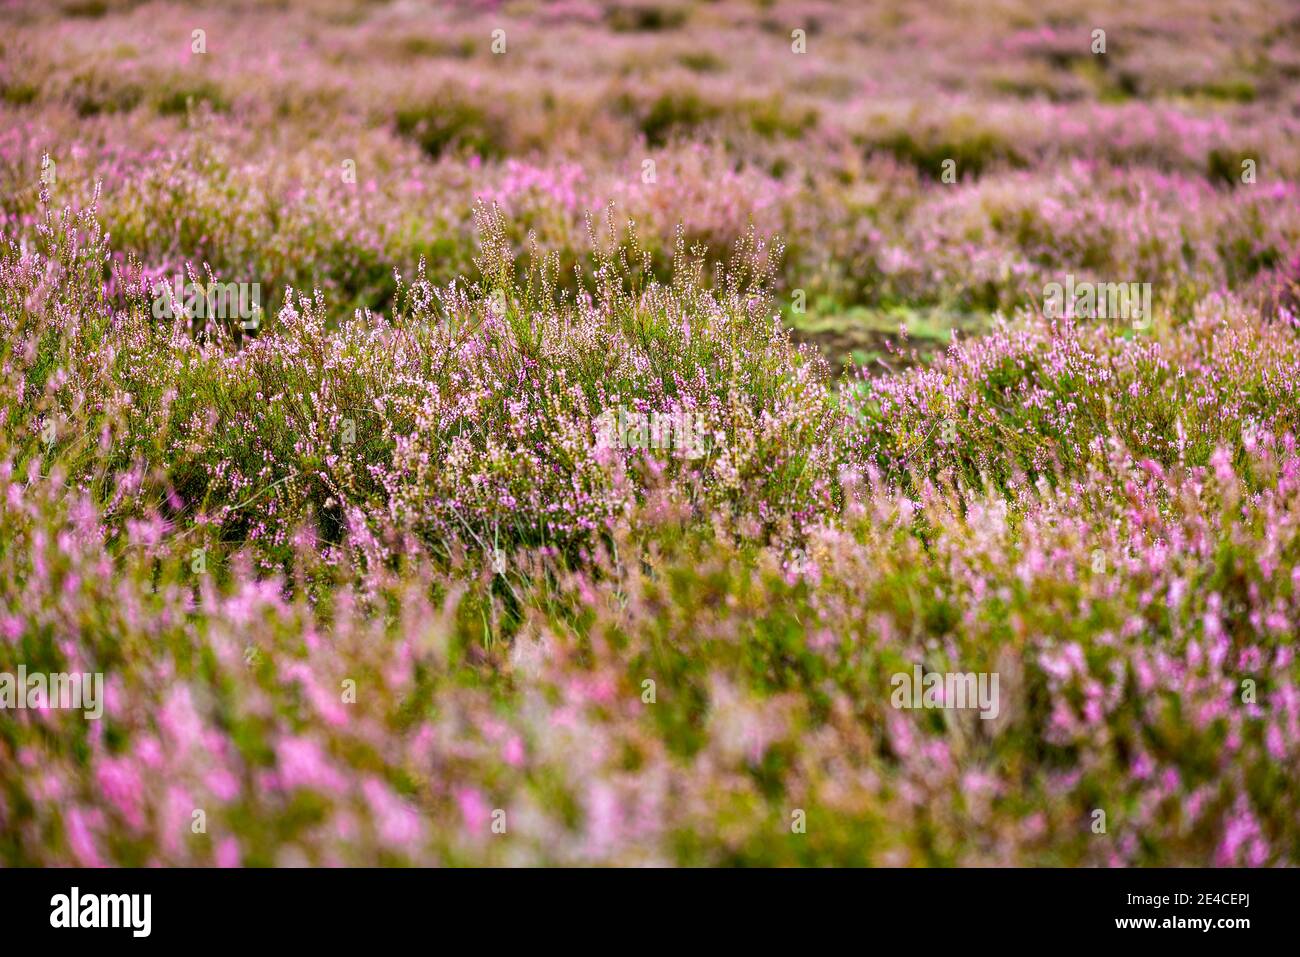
{"x": 513, "y": 752}
{"x": 900, "y": 734}
{"x": 565, "y": 717}
{"x": 1257, "y": 854}
{"x": 399, "y": 825}
{"x": 1221, "y": 462}
{"x": 303, "y": 765}
{"x": 1035, "y": 825}
{"x": 177, "y": 815}
{"x": 345, "y": 827}
{"x": 227, "y": 852}
{"x": 1177, "y": 591}
{"x": 1061, "y": 725}
{"x": 1242, "y": 830}
{"x": 223, "y": 785}
{"x": 120, "y": 783}
{"x": 1063, "y": 662}
{"x": 77, "y": 824}
{"x": 148, "y": 752}
{"x": 604, "y": 819}
{"x": 1275, "y": 742}
{"x": 326, "y": 703}
{"x": 179, "y": 721}
{"x": 1145, "y": 676}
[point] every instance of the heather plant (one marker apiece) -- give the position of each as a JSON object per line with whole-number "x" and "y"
{"x": 575, "y": 497}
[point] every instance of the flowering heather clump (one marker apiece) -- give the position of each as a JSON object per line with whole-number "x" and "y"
{"x": 602, "y": 478}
